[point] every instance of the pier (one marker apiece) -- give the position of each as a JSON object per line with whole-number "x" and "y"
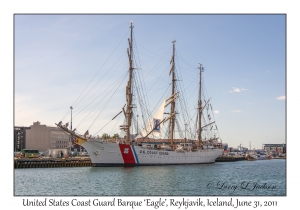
{"x": 229, "y": 159}
{"x": 51, "y": 162}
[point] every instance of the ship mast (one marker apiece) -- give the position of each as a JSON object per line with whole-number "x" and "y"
{"x": 129, "y": 88}
{"x": 172, "y": 126}
{"x": 200, "y": 108}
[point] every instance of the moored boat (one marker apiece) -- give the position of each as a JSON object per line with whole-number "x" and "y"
{"x": 148, "y": 148}
{"x": 251, "y": 156}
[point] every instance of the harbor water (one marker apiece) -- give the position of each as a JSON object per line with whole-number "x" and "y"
{"x": 241, "y": 178}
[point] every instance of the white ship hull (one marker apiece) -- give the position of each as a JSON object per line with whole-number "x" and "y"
{"x": 114, "y": 154}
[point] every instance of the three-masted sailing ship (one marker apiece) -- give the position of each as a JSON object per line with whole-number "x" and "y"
{"x": 144, "y": 148}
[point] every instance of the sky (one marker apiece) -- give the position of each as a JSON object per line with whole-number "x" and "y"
{"x": 57, "y": 57}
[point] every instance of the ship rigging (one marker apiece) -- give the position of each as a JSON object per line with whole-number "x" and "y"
{"x": 147, "y": 147}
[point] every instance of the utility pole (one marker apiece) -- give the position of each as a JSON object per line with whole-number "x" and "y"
{"x": 71, "y": 116}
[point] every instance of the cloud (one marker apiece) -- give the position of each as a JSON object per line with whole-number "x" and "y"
{"x": 216, "y": 112}
{"x": 280, "y": 98}
{"x": 237, "y": 90}
{"x": 236, "y": 111}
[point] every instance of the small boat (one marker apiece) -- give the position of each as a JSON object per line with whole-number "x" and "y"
{"x": 269, "y": 157}
{"x": 251, "y": 156}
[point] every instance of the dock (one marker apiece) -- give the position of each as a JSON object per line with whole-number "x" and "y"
{"x": 52, "y": 162}
{"x": 77, "y": 162}
{"x": 228, "y": 159}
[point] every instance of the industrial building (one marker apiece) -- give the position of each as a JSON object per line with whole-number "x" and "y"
{"x": 281, "y": 148}
{"x": 44, "y": 137}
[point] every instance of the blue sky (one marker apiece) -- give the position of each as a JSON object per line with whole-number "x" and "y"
{"x": 57, "y": 56}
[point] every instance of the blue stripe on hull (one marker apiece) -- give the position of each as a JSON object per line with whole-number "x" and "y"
{"x": 136, "y": 157}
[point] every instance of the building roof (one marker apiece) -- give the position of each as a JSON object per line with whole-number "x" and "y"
{"x": 275, "y": 145}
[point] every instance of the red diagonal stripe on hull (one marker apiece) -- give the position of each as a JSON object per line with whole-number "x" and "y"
{"x": 127, "y": 154}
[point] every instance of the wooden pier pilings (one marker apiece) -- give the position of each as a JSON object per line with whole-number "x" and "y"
{"x": 51, "y": 162}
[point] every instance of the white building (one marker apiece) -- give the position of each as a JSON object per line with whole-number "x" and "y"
{"x": 44, "y": 137}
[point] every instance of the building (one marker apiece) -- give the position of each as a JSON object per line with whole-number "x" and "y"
{"x": 44, "y": 137}
{"x": 20, "y": 138}
{"x": 281, "y": 148}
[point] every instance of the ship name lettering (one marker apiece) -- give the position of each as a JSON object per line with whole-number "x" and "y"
{"x": 152, "y": 152}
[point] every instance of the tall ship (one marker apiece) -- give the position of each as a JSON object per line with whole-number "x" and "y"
{"x": 148, "y": 147}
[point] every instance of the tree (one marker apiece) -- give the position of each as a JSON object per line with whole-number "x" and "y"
{"x": 116, "y": 136}
{"x": 105, "y": 136}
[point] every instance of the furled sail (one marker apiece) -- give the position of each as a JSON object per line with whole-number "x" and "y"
{"x": 154, "y": 127}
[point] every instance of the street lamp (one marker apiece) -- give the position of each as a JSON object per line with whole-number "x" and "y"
{"x": 71, "y": 116}
{"x": 71, "y": 130}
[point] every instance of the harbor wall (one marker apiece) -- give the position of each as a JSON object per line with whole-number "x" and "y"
{"x": 51, "y": 162}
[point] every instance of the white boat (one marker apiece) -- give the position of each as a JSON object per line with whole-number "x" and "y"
{"x": 148, "y": 147}
{"x": 251, "y": 156}
{"x": 261, "y": 155}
